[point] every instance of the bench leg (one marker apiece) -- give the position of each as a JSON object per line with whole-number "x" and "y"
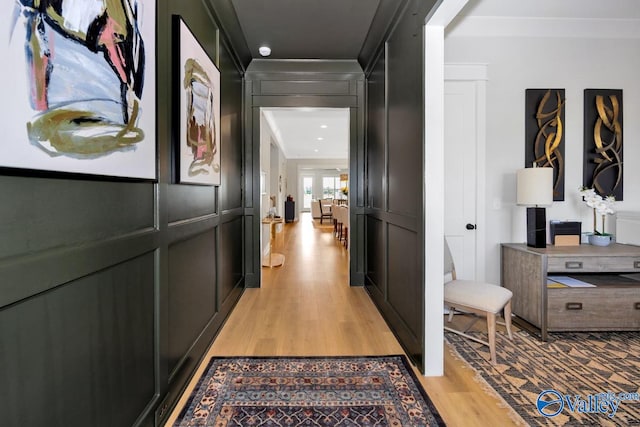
{"x": 491, "y": 329}
{"x": 507, "y": 319}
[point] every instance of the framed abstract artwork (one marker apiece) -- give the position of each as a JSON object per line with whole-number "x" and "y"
{"x": 198, "y": 91}
{"x": 544, "y": 134}
{"x": 79, "y": 93}
{"x": 602, "y": 164}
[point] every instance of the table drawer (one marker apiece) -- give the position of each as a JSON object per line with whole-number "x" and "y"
{"x": 593, "y": 309}
{"x": 593, "y": 264}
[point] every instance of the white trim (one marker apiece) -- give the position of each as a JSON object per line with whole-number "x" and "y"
{"x": 442, "y": 14}
{"x": 433, "y": 196}
{"x": 589, "y": 28}
{"x": 434, "y": 183}
{"x": 481, "y": 176}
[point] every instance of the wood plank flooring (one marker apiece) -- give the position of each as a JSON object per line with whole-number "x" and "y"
{"x": 307, "y": 308}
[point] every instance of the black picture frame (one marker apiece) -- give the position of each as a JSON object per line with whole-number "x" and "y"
{"x": 603, "y": 142}
{"x": 544, "y": 119}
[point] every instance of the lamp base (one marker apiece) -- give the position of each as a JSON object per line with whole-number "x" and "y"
{"x": 536, "y": 228}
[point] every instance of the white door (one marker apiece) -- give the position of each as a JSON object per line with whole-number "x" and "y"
{"x": 461, "y": 141}
{"x": 307, "y": 192}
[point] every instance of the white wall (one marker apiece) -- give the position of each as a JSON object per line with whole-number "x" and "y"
{"x": 519, "y": 63}
{"x": 277, "y": 177}
{"x": 273, "y": 164}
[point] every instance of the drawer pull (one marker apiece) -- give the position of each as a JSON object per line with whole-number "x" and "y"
{"x": 573, "y": 264}
{"x": 574, "y": 306}
{"x": 637, "y": 306}
{"x": 636, "y": 264}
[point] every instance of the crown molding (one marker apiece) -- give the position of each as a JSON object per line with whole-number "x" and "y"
{"x": 275, "y": 130}
{"x": 493, "y": 26}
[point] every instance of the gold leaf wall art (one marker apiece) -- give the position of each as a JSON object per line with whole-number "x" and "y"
{"x": 544, "y": 134}
{"x": 602, "y": 166}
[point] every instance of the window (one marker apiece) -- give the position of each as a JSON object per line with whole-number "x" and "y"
{"x": 331, "y": 187}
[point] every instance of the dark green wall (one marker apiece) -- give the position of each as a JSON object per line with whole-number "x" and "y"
{"x": 111, "y": 290}
{"x": 395, "y": 184}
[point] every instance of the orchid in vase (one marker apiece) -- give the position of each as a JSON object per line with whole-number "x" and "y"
{"x": 601, "y": 206}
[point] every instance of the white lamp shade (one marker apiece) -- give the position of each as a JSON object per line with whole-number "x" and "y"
{"x": 534, "y": 186}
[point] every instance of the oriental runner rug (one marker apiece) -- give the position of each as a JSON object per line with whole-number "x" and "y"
{"x": 585, "y": 378}
{"x": 309, "y": 391}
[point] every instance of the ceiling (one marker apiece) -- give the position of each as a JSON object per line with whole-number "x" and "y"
{"x": 314, "y": 29}
{"x": 311, "y": 133}
{"x": 306, "y": 29}
{"x": 351, "y": 29}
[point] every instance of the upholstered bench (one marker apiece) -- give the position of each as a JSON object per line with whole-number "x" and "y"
{"x": 484, "y": 299}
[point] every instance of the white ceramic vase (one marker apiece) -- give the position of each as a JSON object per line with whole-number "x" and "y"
{"x": 600, "y": 239}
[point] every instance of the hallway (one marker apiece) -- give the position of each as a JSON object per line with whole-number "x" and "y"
{"x": 306, "y": 307}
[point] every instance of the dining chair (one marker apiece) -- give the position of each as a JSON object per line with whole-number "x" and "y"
{"x": 344, "y": 225}
{"x": 341, "y": 218}
{"x": 323, "y": 213}
{"x": 479, "y": 298}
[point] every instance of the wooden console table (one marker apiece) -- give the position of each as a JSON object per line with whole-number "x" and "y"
{"x": 543, "y": 306}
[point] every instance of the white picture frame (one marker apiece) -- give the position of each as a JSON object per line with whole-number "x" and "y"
{"x": 199, "y": 114}
{"x": 76, "y": 106}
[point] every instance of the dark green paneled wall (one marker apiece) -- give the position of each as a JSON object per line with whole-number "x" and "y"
{"x": 81, "y": 353}
{"x": 111, "y": 291}
{"x": 395, "y": 171}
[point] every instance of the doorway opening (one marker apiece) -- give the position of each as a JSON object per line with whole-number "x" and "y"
{"x": 304, "y": 163}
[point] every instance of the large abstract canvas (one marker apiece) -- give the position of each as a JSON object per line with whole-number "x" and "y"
{"x": 199, "y": 116}
{"x": 78, "y": 86}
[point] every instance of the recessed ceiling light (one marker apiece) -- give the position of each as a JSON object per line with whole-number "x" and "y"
{"x": 320, "y": 138}
{"x": 315, "y": 151}
{"x": 264, "y": 50}
{"x": 323, "y": 126}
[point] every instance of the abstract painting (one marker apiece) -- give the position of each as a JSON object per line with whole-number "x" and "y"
{"x": 199, "y": 115}
{"x": 78, "y": 87}
{"x": 602, "y": 166}
{"x": 544, "y": 134}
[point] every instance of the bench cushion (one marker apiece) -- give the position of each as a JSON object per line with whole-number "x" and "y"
{"x": 478, "y": 295}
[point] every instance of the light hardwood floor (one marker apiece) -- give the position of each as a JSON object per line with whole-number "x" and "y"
{"x": 306, "y": 308}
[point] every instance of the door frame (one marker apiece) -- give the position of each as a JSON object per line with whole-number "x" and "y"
{"x": 253, "y": 260}
{"x": 311, "y": 84}
{"x": 433, "y": 183}
{"x": 355, "y": 232}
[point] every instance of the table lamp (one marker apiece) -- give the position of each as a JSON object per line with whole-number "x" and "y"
{"x": 534, "y": 188}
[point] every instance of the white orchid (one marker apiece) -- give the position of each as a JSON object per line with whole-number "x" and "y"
{"x": 608, "y": 205}
{"x": 590, "y": 196}
{"x": 601, "y": 205}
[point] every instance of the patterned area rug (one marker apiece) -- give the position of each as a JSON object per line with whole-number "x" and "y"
{"x": 322, "y": 391}
{"x": 590, "y": 378}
